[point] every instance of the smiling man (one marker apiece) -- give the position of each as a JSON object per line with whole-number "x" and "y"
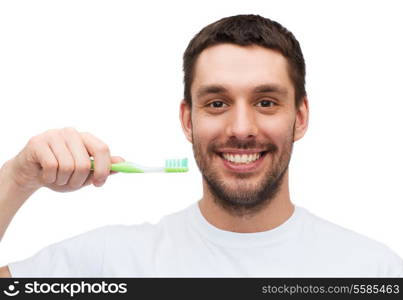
{"x": 244, "y": 106}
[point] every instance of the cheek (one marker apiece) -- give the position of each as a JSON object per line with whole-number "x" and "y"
{"x": 276, "y": 129}
{"x": 207, "y": 129}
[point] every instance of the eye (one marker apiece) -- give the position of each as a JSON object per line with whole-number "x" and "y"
{"x": 267, "y": 103}
{"x": 216, "y": 104}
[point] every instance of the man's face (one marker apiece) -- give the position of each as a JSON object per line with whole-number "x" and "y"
{"x": 242, "y": 124}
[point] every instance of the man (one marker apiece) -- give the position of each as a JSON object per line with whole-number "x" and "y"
{"x": 244, "y": 106}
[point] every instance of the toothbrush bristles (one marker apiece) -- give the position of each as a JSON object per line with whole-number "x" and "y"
{"x": 176, "y": 165}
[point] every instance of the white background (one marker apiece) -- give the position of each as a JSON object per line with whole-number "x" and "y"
{"x": 114, "y": 68}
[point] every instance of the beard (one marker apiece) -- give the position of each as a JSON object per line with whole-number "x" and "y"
{"x": 244, "y": 197}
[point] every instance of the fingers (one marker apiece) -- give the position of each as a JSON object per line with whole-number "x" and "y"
{"x": 44, "y": 156}
{"x": 64, "y": 157}
{"x": 80, "y": 155}
{"x": 90, "y": 178}
{"x": 101, "y": 154}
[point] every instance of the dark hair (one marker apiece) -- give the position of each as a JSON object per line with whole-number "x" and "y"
{"x": 245, "y": 30}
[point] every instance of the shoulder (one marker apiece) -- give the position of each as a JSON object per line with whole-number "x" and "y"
{"x": 349, "y": 245}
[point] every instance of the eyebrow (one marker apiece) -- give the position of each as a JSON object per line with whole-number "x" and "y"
{"x": 264, "y": 88}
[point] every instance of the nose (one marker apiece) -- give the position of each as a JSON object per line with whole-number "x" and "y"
{"x": 242, "y": 122}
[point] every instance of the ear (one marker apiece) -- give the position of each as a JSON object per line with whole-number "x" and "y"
{"x": 301, "y": 121}
{"x": 186, "y": 119}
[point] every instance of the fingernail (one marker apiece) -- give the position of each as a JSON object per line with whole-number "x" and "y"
{"x": 100, "y": 183}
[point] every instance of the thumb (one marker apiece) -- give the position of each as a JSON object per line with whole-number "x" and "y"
{"x": 117, "y": 159}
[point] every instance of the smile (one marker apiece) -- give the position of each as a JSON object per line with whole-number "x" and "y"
{"x": 241, "y": 162}
{"x": 241, "y": 158}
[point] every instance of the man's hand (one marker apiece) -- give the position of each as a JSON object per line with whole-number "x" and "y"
{"x": 60, "y": 160}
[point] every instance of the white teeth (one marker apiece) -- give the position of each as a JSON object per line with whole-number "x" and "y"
{"x": 241, "y": 158}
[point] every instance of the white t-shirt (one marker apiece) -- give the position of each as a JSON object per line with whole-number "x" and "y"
{"x": 185, "y": 244}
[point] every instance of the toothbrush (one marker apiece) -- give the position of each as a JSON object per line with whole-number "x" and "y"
{"x": 171, "y": 166}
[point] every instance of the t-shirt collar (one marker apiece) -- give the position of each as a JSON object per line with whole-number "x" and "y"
{"x": 226, "y": 238}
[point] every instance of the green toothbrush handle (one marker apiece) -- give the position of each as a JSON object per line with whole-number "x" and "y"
{"x": 123, "y": 167}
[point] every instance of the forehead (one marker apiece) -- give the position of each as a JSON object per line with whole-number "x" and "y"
{"x": 240, "y": 67}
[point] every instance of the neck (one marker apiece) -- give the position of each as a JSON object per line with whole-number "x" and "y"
{"x": 276, "y": 212}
